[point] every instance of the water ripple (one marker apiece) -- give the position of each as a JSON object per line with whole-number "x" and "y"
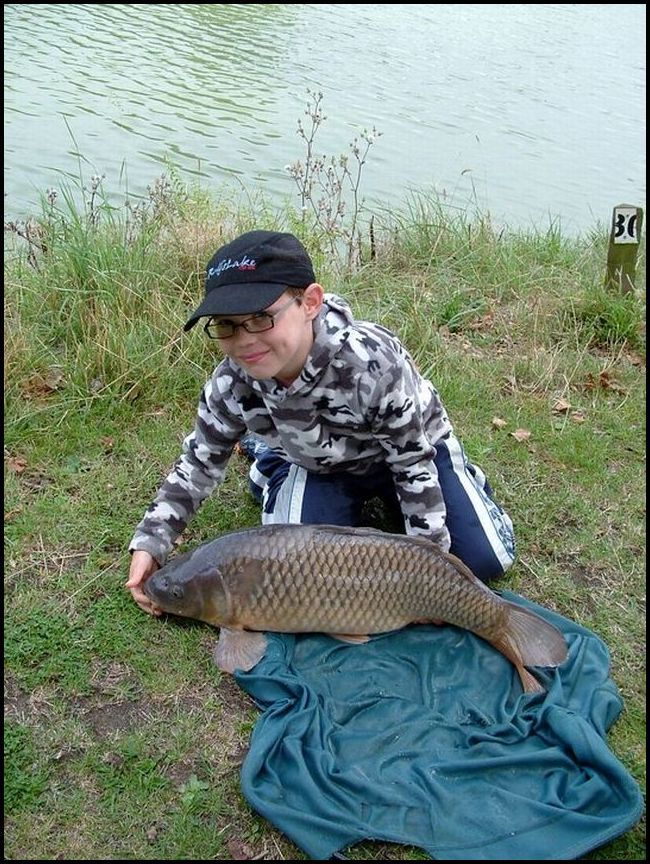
{"x": 527, "y": 110}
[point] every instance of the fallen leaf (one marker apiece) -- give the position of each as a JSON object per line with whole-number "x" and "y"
{"x": 578, "y": 416}
{"x": 604, "y": 381}
{"x": 44, "y": 384}
{"x": 17, "y": 464}
{"x": 561, "y": 406}
{"x": 498, "y": 423}
{"x": 521, "y": 434}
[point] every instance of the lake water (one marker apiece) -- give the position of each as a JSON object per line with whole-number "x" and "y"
{"x": 535, "y": 113}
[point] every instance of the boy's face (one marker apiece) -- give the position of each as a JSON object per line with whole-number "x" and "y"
{"x": 281, "y": 351}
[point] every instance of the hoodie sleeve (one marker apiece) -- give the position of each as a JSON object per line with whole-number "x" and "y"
{"x": 407, "y": 417}
{"x": 197, "y": 472}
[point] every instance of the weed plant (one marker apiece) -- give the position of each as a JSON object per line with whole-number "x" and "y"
{"x": 122, "y": 739}
{"x": 329, "y": 187}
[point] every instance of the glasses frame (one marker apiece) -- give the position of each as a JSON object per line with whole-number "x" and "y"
{"x": 271, "y": 316}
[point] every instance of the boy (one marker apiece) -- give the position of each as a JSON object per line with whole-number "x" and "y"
{"x": 334, "y": 412}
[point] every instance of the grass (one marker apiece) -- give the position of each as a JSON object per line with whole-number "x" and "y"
{"x": 122, "y": 739}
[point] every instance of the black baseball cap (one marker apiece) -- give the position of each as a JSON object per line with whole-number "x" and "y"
{"x": 251, "y": 272}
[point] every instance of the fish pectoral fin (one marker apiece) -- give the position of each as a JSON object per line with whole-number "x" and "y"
{"x": 352, "y": 638}
{"x": 239, "y": 649}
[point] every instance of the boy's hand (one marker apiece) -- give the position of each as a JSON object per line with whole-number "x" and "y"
{"x": 143, "y": 565}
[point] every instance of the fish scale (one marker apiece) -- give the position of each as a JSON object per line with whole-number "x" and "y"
{"x": 331, "y": 576}
{"x": 346, "y": 581}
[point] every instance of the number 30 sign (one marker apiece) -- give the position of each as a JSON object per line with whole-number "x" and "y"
{"x": 627, "y": 222}
{"x": 625, "y": 225}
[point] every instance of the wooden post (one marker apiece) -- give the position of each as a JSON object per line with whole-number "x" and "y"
{"x": 627, "y": 222}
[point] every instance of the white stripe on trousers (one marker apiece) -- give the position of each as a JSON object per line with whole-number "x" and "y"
{"x": 478, "y": 499}
{"x": 288, "y": 503}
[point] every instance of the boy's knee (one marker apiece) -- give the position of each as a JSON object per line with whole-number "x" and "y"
{"x": 485, "y": 564}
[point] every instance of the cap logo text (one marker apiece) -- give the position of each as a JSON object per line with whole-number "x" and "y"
{"x": 245, "y": 263}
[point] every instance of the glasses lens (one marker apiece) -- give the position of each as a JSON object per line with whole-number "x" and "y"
{"x": 219, "y": 330}
{"x": 226, "y": 329}
{"x": 258, "y": 323}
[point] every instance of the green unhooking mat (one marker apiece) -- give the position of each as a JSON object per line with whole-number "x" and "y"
{"x": 424, "y": 737}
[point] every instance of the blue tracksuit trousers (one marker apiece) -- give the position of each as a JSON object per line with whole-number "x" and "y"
{"x": 481, "y": 532}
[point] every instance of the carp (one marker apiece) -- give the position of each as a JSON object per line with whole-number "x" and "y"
{"x": 345, "y": 582}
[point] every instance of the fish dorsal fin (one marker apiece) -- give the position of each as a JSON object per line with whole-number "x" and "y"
{"x": 346, "y": 529}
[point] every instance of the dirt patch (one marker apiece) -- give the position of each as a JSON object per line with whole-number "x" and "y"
{"x": 597, "y": 579}
{"x": 113, "y": 717}
{"x": 27, "y": 708}
{"x": 105, "y": 713}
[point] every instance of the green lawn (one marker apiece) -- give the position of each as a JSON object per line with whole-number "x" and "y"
{"x": 122, "y": 740}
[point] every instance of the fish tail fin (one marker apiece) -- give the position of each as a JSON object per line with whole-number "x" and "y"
{"x": 529, "y": 640}
{"x": 528, "y": 681}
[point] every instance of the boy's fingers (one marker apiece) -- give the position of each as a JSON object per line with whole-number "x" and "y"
{"x": 143, "y": 601}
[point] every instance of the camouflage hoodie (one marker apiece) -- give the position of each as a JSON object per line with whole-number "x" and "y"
{"x": 358, "y": 404}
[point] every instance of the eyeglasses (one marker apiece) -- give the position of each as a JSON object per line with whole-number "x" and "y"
{"x": 258, "y": 323}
